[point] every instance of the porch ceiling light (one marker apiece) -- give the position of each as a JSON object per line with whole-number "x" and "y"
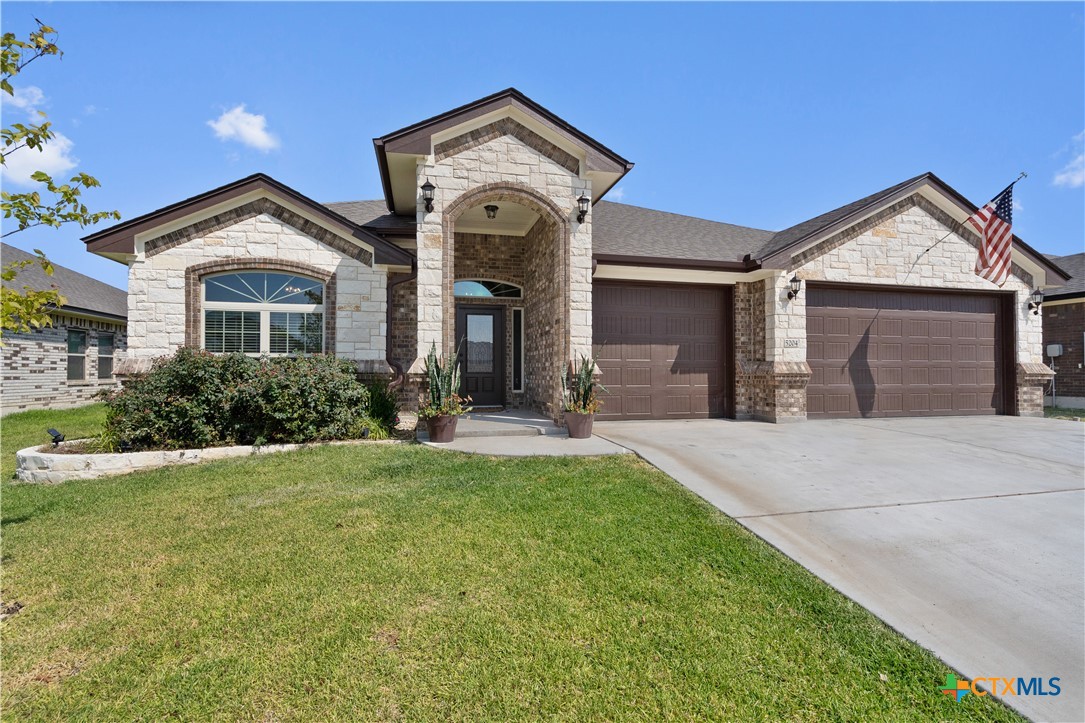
{"x": 796, "y": 287}
{"x": 491, "y": 211}
{"x": 427, "y": 195}
{"x": 583, "y": 204}
{"x": 1035, "y": 301}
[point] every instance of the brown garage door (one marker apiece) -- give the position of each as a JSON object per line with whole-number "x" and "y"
{"x": 663, "y": 349}
{"x": 903, "y": 353}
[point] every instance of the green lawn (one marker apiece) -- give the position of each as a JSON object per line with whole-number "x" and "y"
{"x": 1064, "y": 413}
{"x": 400, "y": 582}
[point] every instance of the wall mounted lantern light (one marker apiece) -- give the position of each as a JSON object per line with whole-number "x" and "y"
{"x": 491, "y": 211}
{"x": 427, "y": 195}
{"x": 796, "y": 287}
{"x": 1035, "y": 301}
{"x": 583, "y": 204}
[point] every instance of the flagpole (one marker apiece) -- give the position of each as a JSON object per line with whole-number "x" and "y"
{"x": 960, "y": 224}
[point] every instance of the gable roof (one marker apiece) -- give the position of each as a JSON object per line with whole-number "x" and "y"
{"x": 1074, "y": 264}
{"x": 783, "y": 243}
{"x": 416, "y": 139}
{"x": 120, "y": 239}
{"x": 83, "y": 293}
{"x": 373, "y": 215}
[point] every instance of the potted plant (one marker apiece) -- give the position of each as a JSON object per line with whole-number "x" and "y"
{"x": 443, "y": 405}
{"x": 580, "y": 398}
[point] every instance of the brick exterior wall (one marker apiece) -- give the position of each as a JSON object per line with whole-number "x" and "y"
{"x": 35, "y": 365}
{"x": 497, "y": 258}
{"x": 1065, "y": 324}
{"x": 164, "y": 279}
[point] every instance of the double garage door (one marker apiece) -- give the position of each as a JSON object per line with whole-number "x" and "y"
{"x": 664, "y": 349}
{"x": 904, "y": 353}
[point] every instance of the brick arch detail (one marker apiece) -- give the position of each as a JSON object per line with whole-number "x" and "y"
{"x": 524, "y": 195}
{"x": 195, "y": 274}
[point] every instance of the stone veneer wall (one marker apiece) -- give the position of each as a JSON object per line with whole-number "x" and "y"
{"x": 509, "y": 163}
{"x": 1065, "y": 324}
{"x": 35, "y": 365}
{"x": 157, "y": 308}
{"x": 895, "y": 247}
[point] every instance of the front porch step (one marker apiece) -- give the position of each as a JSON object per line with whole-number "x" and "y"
{"x": 501, "y": 424}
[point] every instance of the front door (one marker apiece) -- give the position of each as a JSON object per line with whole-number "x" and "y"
{"x": 480, "y": 337}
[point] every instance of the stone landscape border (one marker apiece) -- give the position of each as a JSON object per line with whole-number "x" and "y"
{"x": 34, "y": 466}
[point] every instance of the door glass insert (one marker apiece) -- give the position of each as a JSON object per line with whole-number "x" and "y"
{"x": 480, "y": 343}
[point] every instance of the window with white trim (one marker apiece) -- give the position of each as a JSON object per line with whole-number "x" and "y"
{"x": 263, "y": 312}
{"x": 486, "y": 289}
{"x": 77, "y": 355}
{"x": 106, "y": 342}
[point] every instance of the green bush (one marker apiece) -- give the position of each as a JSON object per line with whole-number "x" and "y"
{"x": 383, "y": 405}
{"x": 196, "y": 399}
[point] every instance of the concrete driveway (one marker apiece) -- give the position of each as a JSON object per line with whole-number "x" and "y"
{"x": 966, "y": 534}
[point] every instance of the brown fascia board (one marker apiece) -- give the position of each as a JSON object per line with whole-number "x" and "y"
{"x": 415, "y": 138}
{"x": 954, "y": 195}
{"x": 121, "y": 237}
{"x": 663, "y": 262}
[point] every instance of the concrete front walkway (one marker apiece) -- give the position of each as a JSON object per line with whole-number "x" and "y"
{"x": 518, "y": 434}
{"x": 966, "y": 534}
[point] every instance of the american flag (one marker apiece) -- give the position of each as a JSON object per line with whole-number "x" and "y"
{"x": 994, "y": 222}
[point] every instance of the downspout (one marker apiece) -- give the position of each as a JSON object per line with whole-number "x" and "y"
{"x": 399, "y": 375}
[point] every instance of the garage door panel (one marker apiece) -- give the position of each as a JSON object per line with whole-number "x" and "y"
{"x": 672, "y": 355}
{"x": 903, "y": 353}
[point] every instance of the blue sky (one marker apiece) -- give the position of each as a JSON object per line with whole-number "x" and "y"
{"x": 755, "y": 114}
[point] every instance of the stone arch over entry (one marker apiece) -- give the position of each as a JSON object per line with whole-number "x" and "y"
{"x": 553, "y": 227}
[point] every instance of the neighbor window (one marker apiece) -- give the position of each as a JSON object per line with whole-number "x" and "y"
{"x": 77, "y": 355}
{"x": 263, "y": 312}
{"x": 486, "y": 289}
{"x": 105, "y": 355}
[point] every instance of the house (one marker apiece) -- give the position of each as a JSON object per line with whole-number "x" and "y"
{"x": 493, "y": 236}
{"x": 68, "y": 363}
{"x": 1064, "y": 325}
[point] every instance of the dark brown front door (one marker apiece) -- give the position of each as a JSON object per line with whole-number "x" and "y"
{"x": 663, "y": 349}
{"x": 903, "y": 353}
{"x": 480, "y": 334}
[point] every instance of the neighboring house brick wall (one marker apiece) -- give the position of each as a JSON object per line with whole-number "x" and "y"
{"x": 158, "y": 311}
{"x": 35, "y": 365}
{"x": 1065, "y": 324}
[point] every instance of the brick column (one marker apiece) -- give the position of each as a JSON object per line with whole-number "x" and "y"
{"x": 1032, "y": 377}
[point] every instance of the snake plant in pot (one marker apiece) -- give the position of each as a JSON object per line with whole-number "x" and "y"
{"x": 580, "y": 397}
{"x": 443, "y": 405}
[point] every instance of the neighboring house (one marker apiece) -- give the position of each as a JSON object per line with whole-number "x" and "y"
{"x": 68, "y": 363}
{"x": 1064, "y": 323}
{"x": 492, "y": 237}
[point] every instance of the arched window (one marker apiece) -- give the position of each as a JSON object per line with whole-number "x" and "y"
{"x": 263, "y": 312}
{"x": 483, "y": 288}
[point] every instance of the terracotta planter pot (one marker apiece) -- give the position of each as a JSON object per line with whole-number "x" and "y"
{"x": 579, "y": 425}
{"x": 442, "y": 428}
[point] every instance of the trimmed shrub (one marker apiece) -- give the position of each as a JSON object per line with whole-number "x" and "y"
{"x": 383, "y": 404}
{"x": 196, "y": 399}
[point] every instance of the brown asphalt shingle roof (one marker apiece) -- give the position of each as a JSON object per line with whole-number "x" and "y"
{"x": 82, "y": 292}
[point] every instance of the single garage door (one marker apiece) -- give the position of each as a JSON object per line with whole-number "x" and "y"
{"x": 903, "y": 353}
{"x": 663, "y": 349}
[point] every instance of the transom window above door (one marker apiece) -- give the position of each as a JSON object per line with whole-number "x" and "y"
{"x": 263, "y": 312}
{"x": 486, "y": 289}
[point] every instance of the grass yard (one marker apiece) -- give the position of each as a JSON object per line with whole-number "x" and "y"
{"x": 1064, "y": 413}
{"x": 400, "y": 582}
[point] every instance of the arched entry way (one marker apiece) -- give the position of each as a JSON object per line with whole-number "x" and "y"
{"x": 519, "y": 307}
